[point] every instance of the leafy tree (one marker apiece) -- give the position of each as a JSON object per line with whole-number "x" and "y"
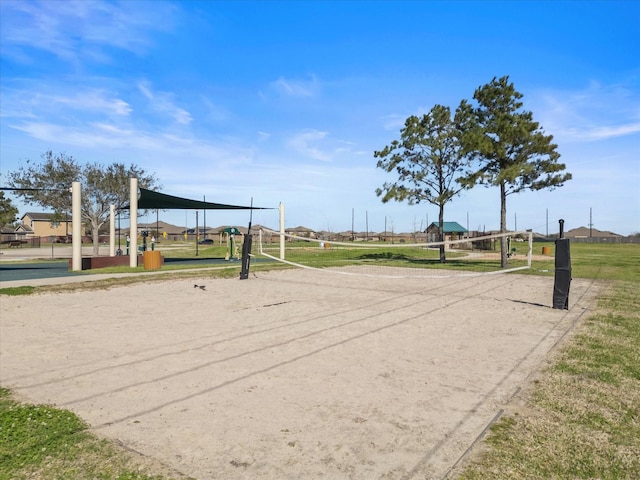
{"x": 48, "y": 184}
{"x": 8, "y": 211}
{"x": 428, "y": 160}
{"x": 511, "y": 149}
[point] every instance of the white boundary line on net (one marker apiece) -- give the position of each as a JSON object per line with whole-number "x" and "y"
{"x": 528, "y": 233}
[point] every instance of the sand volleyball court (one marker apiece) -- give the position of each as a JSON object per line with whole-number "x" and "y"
{"x": 289, "y": 374}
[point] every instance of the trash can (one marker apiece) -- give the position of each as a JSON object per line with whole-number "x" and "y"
{"x": 546, "y": 250}
{"x": 152, "y": 260}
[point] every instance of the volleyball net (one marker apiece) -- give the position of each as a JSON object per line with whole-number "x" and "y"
{"x": 398, "y": 258}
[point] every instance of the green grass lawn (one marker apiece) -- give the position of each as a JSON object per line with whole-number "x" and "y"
{"x": 592, "y": 260}
{"x": 580, "y": 419}
{"x": 38, "y": 441}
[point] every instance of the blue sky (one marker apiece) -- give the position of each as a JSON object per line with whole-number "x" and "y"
{"x": 286, "y": 101}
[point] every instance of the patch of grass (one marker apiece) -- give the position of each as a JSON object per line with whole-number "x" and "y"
{"x": 602, "y": 261}
{"x": 29, "y": 433}
{"x": 380, "y": 254}
{"x": 582, "y": 417}
{"x": 204, "y": 251}
{"x": 17, "y": 290}
{"x": 39, "y": 441}
{"x": 597, "y": 260}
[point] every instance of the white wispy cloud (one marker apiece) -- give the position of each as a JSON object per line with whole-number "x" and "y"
{"x": 93, "y": 135}
{"x": 393, "y": 122}
{"x": 597, "y": 112}
{"x": 603, "y": 132}
{"x": 75, "y": 29}
{"x": 308, "y": 143}
{"x": 60, "y": 114}
{"x": 319, "y": 145}
{"x": 165, "y": 149}
{"x": 263, "y": 136}
{"x": 93, "y": 100}
{"x": 181, "y": 116}
{"x": 162, "y": 102}
{"x": 215, "y": 112}
{"x": 145, "y": 91}
{"x": 295, "y": 87}
{"x": 49, "y": 99}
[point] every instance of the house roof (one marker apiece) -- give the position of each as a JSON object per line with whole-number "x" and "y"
{"x": 162, "y": 227}
{"x": 40, "y": 217}
{"x": 584, "y": 232}
{"x": 300, "y": 229}
{"x": 24, "y": 228}
{"x": 449, "y": 227}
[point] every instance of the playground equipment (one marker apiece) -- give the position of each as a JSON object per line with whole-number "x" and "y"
{"x": 232, "y": 251}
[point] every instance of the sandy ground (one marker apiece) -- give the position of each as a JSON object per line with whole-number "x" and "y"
{"x": 291, "y": 374}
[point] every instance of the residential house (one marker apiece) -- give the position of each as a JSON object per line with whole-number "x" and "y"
{"x": 44, "y": 225}
{"x": 162, "y": 230}
{"x": 584, "y": 232}
{"x": 301, "y": 231}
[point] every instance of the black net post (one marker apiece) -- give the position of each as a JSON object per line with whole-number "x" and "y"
{"x": 246, "y": 248}
{"x": 246, "y": 256}
{"x": 563, "y": 272}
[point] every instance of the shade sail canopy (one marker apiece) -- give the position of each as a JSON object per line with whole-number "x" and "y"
{"x": 161, "y": 201}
